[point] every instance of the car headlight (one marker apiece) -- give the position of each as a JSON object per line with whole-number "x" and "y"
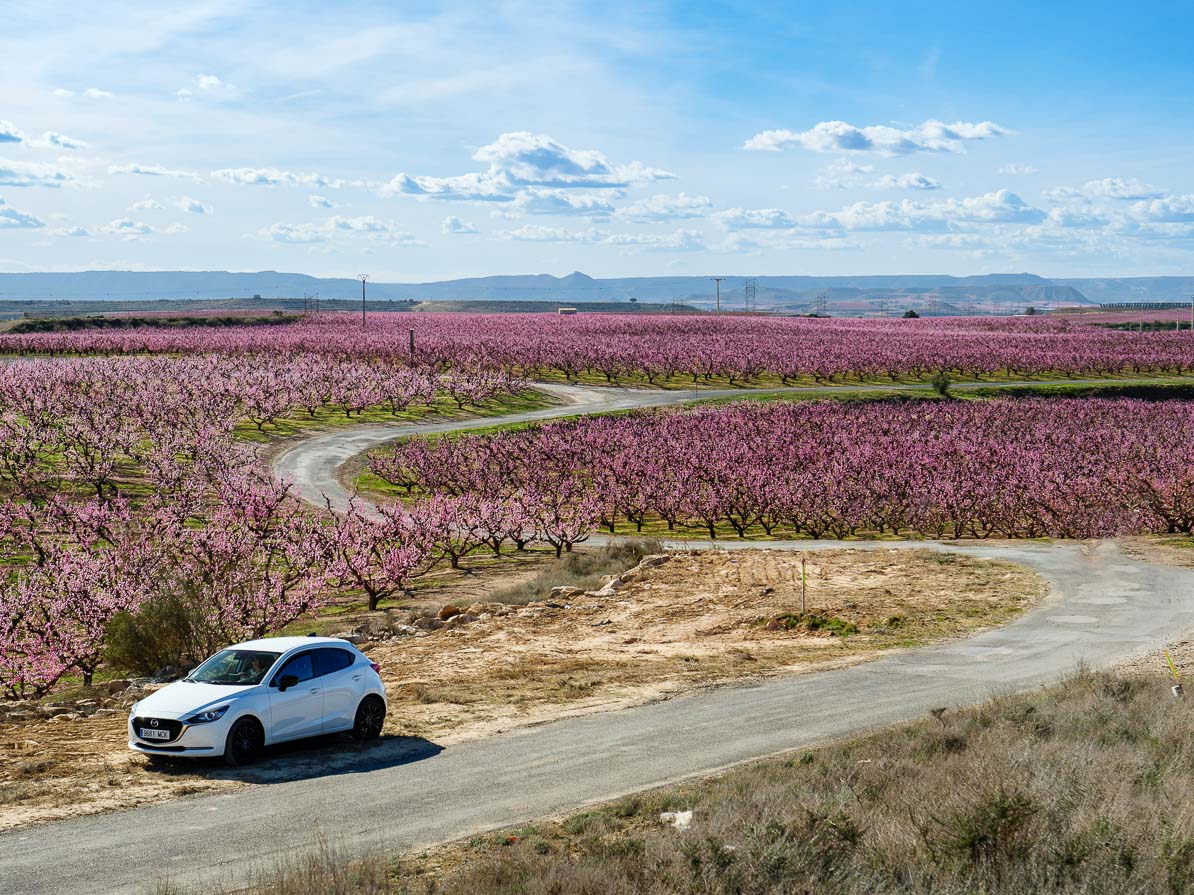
{"x": 207, "y": 716}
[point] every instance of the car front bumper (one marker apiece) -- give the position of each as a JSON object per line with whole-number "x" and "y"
{"x": 192, "y": 740}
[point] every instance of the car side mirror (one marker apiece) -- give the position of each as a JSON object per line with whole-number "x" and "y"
{"x": 286, "y": 682}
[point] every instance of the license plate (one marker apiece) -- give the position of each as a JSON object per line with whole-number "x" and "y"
{"x": 148, "y": 733}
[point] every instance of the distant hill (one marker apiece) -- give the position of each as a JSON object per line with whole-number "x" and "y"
{"x": 988, "y": 293}
{"x": 1108, "y": 290}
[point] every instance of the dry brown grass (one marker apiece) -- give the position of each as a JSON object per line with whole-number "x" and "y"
{"x": 1081, "y": 788}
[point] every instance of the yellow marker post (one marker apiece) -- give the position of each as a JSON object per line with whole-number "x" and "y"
{"x": 1173, "y": 668}
{"x": 1177, "y": 678}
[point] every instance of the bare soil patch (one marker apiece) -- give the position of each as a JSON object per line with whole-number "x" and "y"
{"x": 699, "y": 620}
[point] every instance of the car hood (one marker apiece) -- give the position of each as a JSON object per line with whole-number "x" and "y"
{"x": 184, "y": 698}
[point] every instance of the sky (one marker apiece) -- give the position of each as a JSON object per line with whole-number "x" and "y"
{"x": 420, "y": 142}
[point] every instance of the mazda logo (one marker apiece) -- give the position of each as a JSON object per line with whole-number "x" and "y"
{"x": 153, "y": 722}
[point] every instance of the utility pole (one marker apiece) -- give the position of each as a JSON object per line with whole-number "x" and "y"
{"x": 362, "y": 277}
{"x": 717, "y": 281}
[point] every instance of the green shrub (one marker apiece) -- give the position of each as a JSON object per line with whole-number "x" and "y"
{"x": 166, "y": 631}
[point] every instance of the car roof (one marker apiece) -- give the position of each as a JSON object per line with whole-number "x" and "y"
{"x": 286, "y": 644}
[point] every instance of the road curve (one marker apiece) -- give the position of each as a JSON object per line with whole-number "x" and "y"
{"x": 1102, "y": 605}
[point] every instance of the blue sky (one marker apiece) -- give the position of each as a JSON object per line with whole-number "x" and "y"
{"x": 421, "y": 141}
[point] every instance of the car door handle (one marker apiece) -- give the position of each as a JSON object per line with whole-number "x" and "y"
{"x": 356, "y": 677}
{"x": 313, "y": 690}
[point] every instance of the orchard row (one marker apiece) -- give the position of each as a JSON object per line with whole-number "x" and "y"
{"x": 617, "y": 348}
{"x": 1009, "y": 468}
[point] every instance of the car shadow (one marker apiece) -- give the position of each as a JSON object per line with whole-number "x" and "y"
{"x": 324, "y": 756}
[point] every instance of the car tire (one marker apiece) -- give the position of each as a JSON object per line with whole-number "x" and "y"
{"x": 371, "y": 715}
{"x": 245, "y": 741}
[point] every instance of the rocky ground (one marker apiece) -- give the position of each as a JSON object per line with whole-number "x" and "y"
{"x": 673, "y": 624}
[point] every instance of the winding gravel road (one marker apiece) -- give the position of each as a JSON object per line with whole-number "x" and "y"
{"x": 1103, "y": 605}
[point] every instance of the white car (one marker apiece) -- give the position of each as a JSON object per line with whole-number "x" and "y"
{"x": 254, "y": 694}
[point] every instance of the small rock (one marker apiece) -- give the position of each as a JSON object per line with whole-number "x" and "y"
{"x": 774, "y": 624}
{"x": 447, "y": 612}
{"x": 681, "y": 820}
{"x": 429, "y": 624}
{"x": 85, "y": 703}
{"x": 109, "y": 711}
{"x": 456, "y": 621}
{"x": 65, "y": 716}
{"x": 405, "y": 630}
{"x": 118, "y": 686}
{"x": 352, "y": 638}
{"x": 602, "y": 624}
{"x": 566, "y": 591}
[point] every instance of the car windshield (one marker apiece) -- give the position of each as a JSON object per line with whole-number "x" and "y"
{"x": 240, "y": 667}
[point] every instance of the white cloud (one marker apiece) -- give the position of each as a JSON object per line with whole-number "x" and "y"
{"x": 537, "y": 160}
{"x": 913, "y": 180}
{"x": 999, "y": 207}
{"x": 70, "y": 232}
{"x": 755, "y": 242}
{"x": 453, "y": 225}
{"x": 336, "y": 226}
{"x": 1074, "y": 218}
{"x": 14, "y": 173}
{"x": 521, "y": 160}
{"x": 89, "y": 93}
{"x": 11, "y": 218}
{"x": 662, "y": 207}
{"x": 838, "y": 136}
{"x": 680, "y": 241}
{"x": 320, "y": 202}
{"x": 146, "y": 204}
{"x": 55, "y": 140}
{"x": 211, "y": 85}
{"x": 844, "y": 174}
{"x": 1129, "y": 189}
{"x": 127, "y": 228}
{"x": 273, "y": 177}
{"x": 192, "y": 206}
{"x": 561, "y": 202}
{"x": 175, "y": 229}
{"x": 754, "y": 219}
{"x": 1169, "y": 209}
{"x": 152, "y": 171}
{"x": 536, "y": 233}
{"x": 9, "y": 133}
{"x": 1017, "y": 168}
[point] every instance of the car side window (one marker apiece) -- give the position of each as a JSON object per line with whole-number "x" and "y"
{"x": 300, "y": 666}
{"x": 330, "y": 660}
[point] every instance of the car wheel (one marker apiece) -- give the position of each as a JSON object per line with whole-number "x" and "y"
{"x": 244, "y": 744}
{"x": 371, "y": 714}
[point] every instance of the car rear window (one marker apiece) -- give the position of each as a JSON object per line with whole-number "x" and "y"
{"x": 332, "y": 659}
